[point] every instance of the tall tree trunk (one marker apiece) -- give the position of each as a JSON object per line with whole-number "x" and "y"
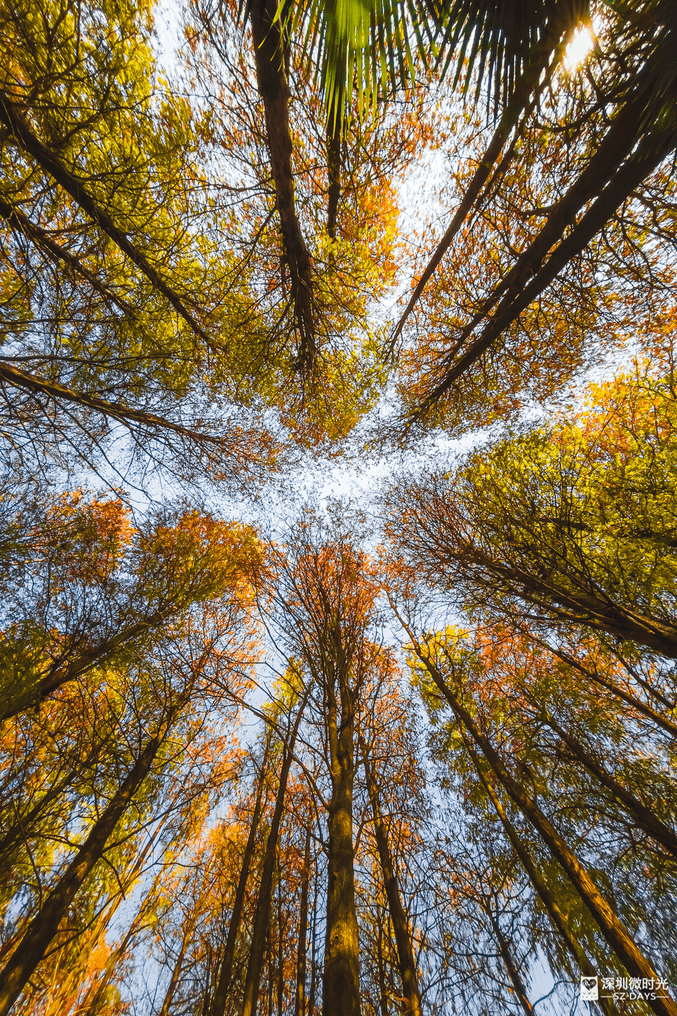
{"x": 63, "y": 672}
{"x": 262, "y": 918}
{"x": 531, "y": 276}
{"x": 313, "y": 952}
{"x": 614, "y": 931}
{"x": 211, "y": 964}
{"x": 39, "y": 386}
{"x": 405, "y": 953}
{"x": 341, "y": 982}
{"x": 280, "y": 942}
{"x": 269, "y": 957}
{"x": 225, "y": 974}
{"x": 644, "y": 817}
{"x": 661, "y": 721}
{"x": 269, "y": 53}
{"x": 45, "y": 925}
{"x": 22, "y": 134}
{"x": 558, "y": 918}
{"x": 42, "y": 239}
{"x": 178, "y": 966}
{"x": 380, "y": 964}
{"x": 513, "y": 973}
{"x": 333, "y": 168}
{"x": 532, "y": 83}
{"x": 300, "y": 1001}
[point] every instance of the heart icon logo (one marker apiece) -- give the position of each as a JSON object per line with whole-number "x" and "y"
{"x": 589, "y": 989}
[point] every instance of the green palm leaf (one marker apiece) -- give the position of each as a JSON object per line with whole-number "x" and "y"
{"x": 374, "y": 46}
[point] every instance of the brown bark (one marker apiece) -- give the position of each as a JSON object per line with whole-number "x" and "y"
{"x": 269, "y": 965}
{"x": 381, "y": 964}
{"x": 263, "y": 906}
{"x": 333, "y": 172}
{"x": 45, "y": 925}
{"x": 580, "y": 605}
{"x": 269, "y": 52}
{"x": 341, "y": 981}
{"x": 327, "y": 610}
{"x": 16, "y": 935}
{"x": 558, "y": 918}
{"x": 300, "y": 1000}
{"x": 661, "y": 721}
{"x": 280, "y": 946}
{"x": 532, "y": 83}
{"x": 115, "y": 410}
{"x": 61, "y": 675}
{"x": 225, "y": 974}
{"x": 22, "y": 133}
{"x": 313, "y": 955}
{"x": 614, "y": 931}
{"x": 405, "y": 954}
{"x": 22, "y": 224}
{"x": 531, "y": 276}
{"x": 644, "y": 817}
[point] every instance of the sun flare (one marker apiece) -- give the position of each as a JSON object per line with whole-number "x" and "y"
{"x": 582, "y": 42}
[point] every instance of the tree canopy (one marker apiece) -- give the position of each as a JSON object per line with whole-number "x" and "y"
{"x": 401, "y": 750}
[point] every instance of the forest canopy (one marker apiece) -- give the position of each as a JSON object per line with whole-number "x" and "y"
{"x": 401, "y": 744}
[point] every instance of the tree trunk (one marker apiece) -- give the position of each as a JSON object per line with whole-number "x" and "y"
{"x": 313, "y": 953}
{"x": 269, "y": 53}
{"x": 530, "y": 276}
{"x": 42, "y": 239}
{"x": 225, "y": 975}
{"x": 62, "y": 673}
{"x": 643, "y": 816}
{"x": 661, "y": 721}
{"x": 262, "y": 918}
{"x": 280, "y": 944}
{"x": 341, "y": 982}
{"x": 559, "y": 920}
{"x": 333, "y": 170}
{"x": 405, "y": 953}
{"x": 380, "y": 965}
{"x": 269, "y": 957}
{"x": 578, "y": 604}
{"x": 614, "y": 931}
{"x": 21, "y": 133}
{"x": 115, "y": 410}
{"x": 532, "y": 83}
{"x": 300, "y": 1001}
{"x": 45, "y": 925}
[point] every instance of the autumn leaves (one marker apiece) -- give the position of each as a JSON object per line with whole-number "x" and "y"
{"x": 287, "y": 773}
{"x": 350, "y": 833}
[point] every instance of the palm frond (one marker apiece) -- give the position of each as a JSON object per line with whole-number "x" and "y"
{"x": 490, "y": 44}
{"x": 370, "y": 47}
{"x": 365, "y": 47}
